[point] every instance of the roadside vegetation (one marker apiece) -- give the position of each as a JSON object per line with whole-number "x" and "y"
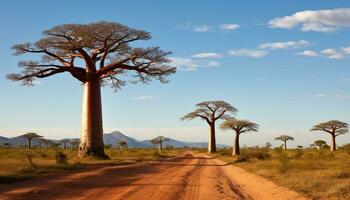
{"x": 316, "y": 173}
{"x": 22, "y": 163}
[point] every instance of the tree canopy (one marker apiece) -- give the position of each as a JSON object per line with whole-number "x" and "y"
{"x": 103, "y": 49}
{"x": 31, "y": 136}
{"x": 240, "y": 126}
{"x": 284, "y": 138}
{"x": 333, "y": 127}
{"x": 210, "y": 111}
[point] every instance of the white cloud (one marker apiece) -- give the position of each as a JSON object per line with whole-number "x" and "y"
{"x": 188, "y": 64}
{"x": 229, "y": 27}
{"x": 209, "y": 28}
{"x": 207, "y": 55}
{"x": 285, "y": 45}
{"x": 248, "y": 53}
{"x": 203, "y": 28}
{"x": 308, "y": 53}
{"x": 314, "y": 20}
{"x": 346, "y": 50}
{"x": 142, "y": 98}
{"x": 332, "y": 53}
{"x": 212, "y": 64}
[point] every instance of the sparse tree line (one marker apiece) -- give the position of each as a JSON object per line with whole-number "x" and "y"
{"x": 46, "y": 143}
{"x": 212, "y": 111}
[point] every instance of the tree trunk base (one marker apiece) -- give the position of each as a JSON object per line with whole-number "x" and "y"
{"x": 92, "y": 152}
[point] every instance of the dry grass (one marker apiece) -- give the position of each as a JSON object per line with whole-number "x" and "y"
{"x": 319, "y": 174}
{"x": 15, "y": 165}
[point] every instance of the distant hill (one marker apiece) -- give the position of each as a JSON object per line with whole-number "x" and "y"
{"x": 3, "y": 140}
{"x": 112, "y": 139}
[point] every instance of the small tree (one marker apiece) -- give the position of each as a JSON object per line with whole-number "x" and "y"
{"x": 121, "y": 145}
{"x": 320, "y": 143}
{"x": 211, "y": 111}
{"x": 42, "y": 141}
{"x": 64, "y": 142}
{"x": 334, "y": 128}
{"x": 238, "y": 126}
{"x": 284, "y": 138}
{"x": 159, "y": 140}
{"x": 95, "y": 54}
{"x": 74, "y": 143}
{"x": 30, "y": 137}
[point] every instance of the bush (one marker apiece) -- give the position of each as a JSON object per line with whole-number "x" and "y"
{"x": 256, "y": 152}
{"x": 61, "y": 158}
{"x": 283, "y": 161}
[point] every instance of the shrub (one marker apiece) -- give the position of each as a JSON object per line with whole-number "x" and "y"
{"x": 256, "y": 152}
{"x": 283, "y": 161}
{"x": 61, "y": 158}
{"x": 30, "y": 160}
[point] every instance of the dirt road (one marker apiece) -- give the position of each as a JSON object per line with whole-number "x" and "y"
{"x": 186, "y": 177}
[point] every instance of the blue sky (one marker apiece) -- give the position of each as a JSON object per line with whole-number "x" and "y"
{"x": 280, "y": 65}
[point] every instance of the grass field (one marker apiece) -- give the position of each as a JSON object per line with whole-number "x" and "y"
{"x": 20, "y": 163}
{"x": 319, "y": 174}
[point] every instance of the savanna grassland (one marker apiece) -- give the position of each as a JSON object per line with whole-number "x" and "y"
{"x": 21, "y": 163}
{"x": 319, "y": 174}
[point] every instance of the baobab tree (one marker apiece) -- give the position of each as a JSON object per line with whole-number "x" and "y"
{"x": 64, "y": 142}
{"x": 121, "y": 145}
{"x": 320, "y": 143}
{"x": 334, "y": 128}
{"x": 95, "y": 54}
{"x": 211, "y": 111}
{"x": 238, "y": 126}
{"x": 30, "y": 137}
{"x": 74, "y": 143}
{"x": 159, "y": 140}
{"x": 284, "y": 138}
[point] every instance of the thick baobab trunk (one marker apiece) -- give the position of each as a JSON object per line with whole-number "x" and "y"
{"x": 235, "y": 149}
{"x": 285, "y": 145}
{"x": 333, "y": 145}
{"x": 212, "y": 142}
{"x": 91, "y": 144}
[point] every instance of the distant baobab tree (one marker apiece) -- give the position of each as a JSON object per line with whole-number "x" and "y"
{"x": 95, "y": 54}
{"x": 121, "y": 145}
{"x": 211, "y": 111}
{"x": 320, "y": 143}
{"x": 238, "y": 126}
{"x": 75, "y": 143}
{"x": 159, "y": 140}
{"x": 65, "y": 142}
{"x": 284, "y": 138}
{"x": 334, "y": 128}
{"x": 30, "y": 137}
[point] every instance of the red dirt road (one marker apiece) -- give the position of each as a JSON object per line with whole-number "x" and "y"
{"x": 186, "y": 177}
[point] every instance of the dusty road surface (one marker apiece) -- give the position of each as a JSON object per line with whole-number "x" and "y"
{"x": 187, "y": 177}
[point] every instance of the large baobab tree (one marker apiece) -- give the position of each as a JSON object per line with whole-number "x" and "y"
{"x": 238, "y": 126}
{"x": 159, "y": 140}
{"x": 95, "y": 54}
{"x": 334, "y": 128}
{"x": 284, "y": 139}
{"x": 30, "y": 137}
{"x": 211, "y": 111}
